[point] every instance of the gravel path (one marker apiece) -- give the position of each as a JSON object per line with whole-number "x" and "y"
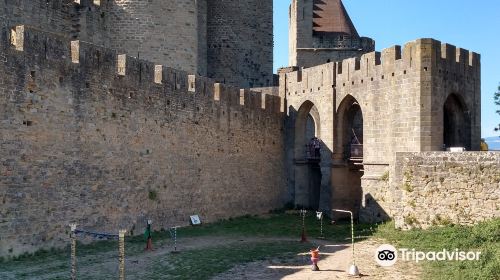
{"x": 334, "y": 263}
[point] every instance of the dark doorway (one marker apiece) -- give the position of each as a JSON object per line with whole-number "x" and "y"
{"x": 346, "y": 175}
{"x": 314, "y": 170}
{"x": 353, "y": 133}
{"x": 456, "y": 123}
{"x": 314, "y": 185}
{"x": 307, "y": 158}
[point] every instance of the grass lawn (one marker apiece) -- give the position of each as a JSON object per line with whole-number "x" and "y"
{"x": 200, "y": 263}
{"x": 99, "y": 260}
{"x": 206, "y": 263}
{"x": 484, "y": 237}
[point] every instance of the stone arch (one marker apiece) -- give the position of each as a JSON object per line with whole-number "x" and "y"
{"x": 348, "y": 166}
{"x": 306, "y": 166}
{"x": 349, "y": 125}
{"x": 456, "y": 123}
{"x": 307, "y": 112}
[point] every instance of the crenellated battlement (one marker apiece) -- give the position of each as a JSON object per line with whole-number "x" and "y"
{"x": 309, "y": 80}
{"x": 416, "y": 56}
{"x": 183, "y": 34}
{"x": 41, "y": 49}
{"x": 397, "y": 88}
{"x": 84, "y": 125}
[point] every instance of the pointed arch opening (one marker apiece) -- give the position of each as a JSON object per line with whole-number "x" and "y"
{"x": 456, "y": 123}
{"x": 346, "y": 176}
{"x": 350, "y": 130}
{"x": 307, "y": 126}
{"x": 307, "y": 156}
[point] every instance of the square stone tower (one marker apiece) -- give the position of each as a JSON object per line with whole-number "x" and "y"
{"x": 321, "y": 31}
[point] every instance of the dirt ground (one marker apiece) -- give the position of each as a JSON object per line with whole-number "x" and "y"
{"x": 335, "y": 260}
{"x": 334, "y": 263}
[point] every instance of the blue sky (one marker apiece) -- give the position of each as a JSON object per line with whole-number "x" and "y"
{"x": 472, "y": 25}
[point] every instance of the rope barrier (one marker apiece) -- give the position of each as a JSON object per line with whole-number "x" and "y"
{"x": 97, "y": 235}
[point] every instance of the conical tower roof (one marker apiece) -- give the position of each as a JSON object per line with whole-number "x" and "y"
{"x": 330, "y": 17}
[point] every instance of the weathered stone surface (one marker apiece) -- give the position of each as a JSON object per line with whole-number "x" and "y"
{"x": 438, "y": 188}
{"x": 108, "y": 144}
{"x": 240, "y": 42}
{"x": 96, "y": 136}
{"x": 401, "y": 93}
{"x": 230, "y": 41}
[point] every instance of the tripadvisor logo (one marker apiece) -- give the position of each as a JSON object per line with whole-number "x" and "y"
{"x": 387, "y": 255}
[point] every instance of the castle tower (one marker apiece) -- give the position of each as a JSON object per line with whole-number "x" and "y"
{"x": 230, "y": 41}
{"x": 240, "y": 42}
{"x": 321, "y": 31}
{"x": 172, "y": 33}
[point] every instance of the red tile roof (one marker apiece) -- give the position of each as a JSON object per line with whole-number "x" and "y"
{"x": 330, "y": 17}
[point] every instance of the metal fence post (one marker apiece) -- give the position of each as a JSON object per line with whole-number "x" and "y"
{"x": 73, "y": 251}
{"x": 121, "y": 239}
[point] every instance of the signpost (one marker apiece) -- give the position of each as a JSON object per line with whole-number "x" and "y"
{"x": 319, "y": 215}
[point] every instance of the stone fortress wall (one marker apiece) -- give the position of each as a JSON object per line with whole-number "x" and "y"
{"x": 402, "y": 95}
{"x": 229, "y": 41}
{"x": 438, "y": 188}
{"x": 95, "y": 136}
{"x": 404, "y": 92}
{"x": 87, "y": 20}
{"x": 107, "y": 141}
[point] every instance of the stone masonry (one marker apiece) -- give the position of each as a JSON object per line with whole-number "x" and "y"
{"x": 93, "y": 133}
{"x": 401, "y": 94}
{"x": 322, "y": 31}
{"x": 167, "y": 32}
{"x": 240, "y": 42}
{"x": 229, "y": 41}
{"x": 437, "y": 188}
{"x": 108, "y": 141}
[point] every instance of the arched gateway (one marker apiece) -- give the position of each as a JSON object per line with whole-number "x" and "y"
{"x": 348, "y": 164}
{"x": 307, "y": 159}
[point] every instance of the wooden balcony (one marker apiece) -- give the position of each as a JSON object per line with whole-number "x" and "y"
{"x": 356, "y": 152}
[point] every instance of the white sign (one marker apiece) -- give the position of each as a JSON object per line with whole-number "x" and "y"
{"x": 195, "y": 220}
{"x": 319, "y": 215}
{"x": 456, "y": 149}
